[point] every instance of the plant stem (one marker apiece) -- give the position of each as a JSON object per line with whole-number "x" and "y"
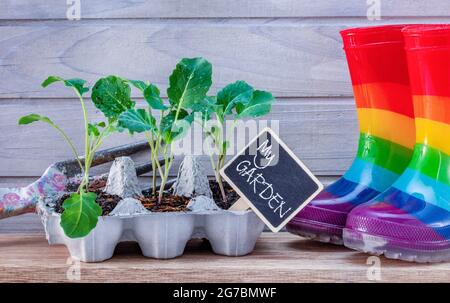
{"x": 165, "y": 175}
{"x": 219, "y": 142}
{"x": 151, "y": 143}
{"x": 85, "y": 181}
{"x": 218, "y": 178}
{"x": 221, "y": 148}
{"x": 168, "y": 152}
{"x": 95, "y": 144}
{"x": 221, "y": 187}
{"x": 154, "y": 177}
{"x": 154, "y": 160}
{"x": 157, "y": 146}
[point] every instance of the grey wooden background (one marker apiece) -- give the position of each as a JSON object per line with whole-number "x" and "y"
{"x": 290, "y": 47}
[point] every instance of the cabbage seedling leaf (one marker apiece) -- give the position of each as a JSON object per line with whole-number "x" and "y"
{"x": 112, "y": 96}
{"x": 80, "y": 214}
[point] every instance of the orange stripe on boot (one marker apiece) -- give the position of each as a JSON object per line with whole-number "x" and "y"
{"x": 388, "y": 96}
{"x": 435, "y": 108}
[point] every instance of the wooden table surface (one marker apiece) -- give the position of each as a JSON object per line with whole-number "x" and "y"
{"x": 277, "y": 258}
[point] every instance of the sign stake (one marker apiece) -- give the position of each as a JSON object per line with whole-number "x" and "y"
{"x": 240, "y": 205}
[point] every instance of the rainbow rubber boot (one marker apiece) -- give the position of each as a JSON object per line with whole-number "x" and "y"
{"x": 411, "y": 220}
{"x": 379, "y": 75}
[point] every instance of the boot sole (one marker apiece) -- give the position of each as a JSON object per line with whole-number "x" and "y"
{"x": 316, "y": 231}
{"x": 377, "y": 245}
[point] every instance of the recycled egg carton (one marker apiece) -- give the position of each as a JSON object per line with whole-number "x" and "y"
{"x": 160, "y": 235}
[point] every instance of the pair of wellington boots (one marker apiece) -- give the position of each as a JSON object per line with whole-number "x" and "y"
{"x": 395, "y": 197}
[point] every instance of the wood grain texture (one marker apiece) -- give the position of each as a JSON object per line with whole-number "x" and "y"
{"x": 56, "y": 9}
{"x": 291, "y": 58}
{"x": 277, "y": 258}
{"x": 313, "y": 128}
{"x": 24, "y": 224}
{"x": 287, "y": 58}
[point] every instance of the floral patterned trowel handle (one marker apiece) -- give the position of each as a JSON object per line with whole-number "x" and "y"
{"x": 21, "y": 200}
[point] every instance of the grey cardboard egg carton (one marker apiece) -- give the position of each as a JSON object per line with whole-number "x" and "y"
{"x": 160, "y": 235}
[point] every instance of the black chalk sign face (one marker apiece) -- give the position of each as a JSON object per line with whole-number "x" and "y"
{"x": 273, "y": 181}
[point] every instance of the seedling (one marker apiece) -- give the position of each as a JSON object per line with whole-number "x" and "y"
{"x": 111, "y": 95}
{"x": 187, "y": 93}
{"x": 235, "y": 101}
{"x": 188, "y": 85}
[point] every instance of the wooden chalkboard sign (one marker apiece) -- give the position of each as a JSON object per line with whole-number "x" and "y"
{"x": 271, "y": 179}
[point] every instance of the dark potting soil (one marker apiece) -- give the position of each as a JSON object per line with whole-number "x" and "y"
{"x": 168, "y": 203}
{"x": 232, "y": 196}
{"x": 93, "y": 185}
{"x": 98, "y": 184}
{"x": 108, "y": 202}
{"x": 178, "y": 203}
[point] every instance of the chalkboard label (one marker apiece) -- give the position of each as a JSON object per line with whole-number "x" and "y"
{"x": 273, "y": 181}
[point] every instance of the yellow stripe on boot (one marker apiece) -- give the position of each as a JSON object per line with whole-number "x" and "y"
{"x": 434, "y": 134}
{"x": 388, "y": 125}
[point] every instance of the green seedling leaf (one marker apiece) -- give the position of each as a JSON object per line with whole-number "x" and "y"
{"x": 206, "y": 107}
{"x": 137, "y": 121}
{"x": 33, "y": 118}
{"x": 50, "y": 80}
{"x": 93, "y": 130}
{"x": 116, "y": 127}
{"x": 172, "y": 131}
{"x": 112, "y": 96}
{"x": 141, "y": 85}
{"x": 189, "y": 82}
{"x": 259, "y": 105}
{"x": 76, "y": 83}
{"x": 238, "y": 92}
{"x": 152, "y": 96}
{"x": 80, "y": 214}
{"x": 181, "y": 127}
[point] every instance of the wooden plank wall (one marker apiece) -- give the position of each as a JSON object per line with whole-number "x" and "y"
{"x": 290, "y": 47}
